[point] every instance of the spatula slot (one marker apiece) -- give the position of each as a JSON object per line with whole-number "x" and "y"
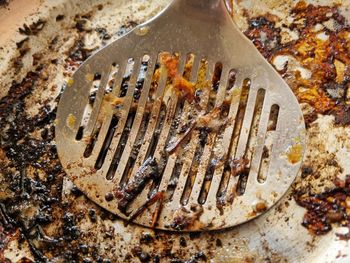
{"x": 126, "y": 78}
{"x": 125, "y": 134}
{"x": 231, "y": 79}
{"x": 228, "y": 171}
{"x": 141, "y": 77}
{"x": 90, "y": 141}
{"x": 107, "y": 142}
{"x": 95, "y": 81}
{"x": 269, "y": 142}
{"x": 251, "y": 141}
{"x": 240, "y": 115}
{"x": 134, "y": 152}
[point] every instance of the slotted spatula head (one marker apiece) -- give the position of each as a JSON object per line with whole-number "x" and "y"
{"x": 181, "y": 124}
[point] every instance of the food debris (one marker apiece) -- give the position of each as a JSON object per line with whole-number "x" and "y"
{"x": 212, "y": 121}
{"x": 174, "y": 145}
{"x": 260, "y": 207}
{"x": 113, "y": 100}
{"x": 238, "y": 166}
{"x": 32, "y": 29}
{"x": 125, "y": 194}
{"x": 185, "y": 218}
{"x": 328, "y": 59}
{"x": 325, "y": 209}
{"x": 184, "y": 88}
{"x": 170, "y": 62}
{"x": 157, "y": 197}
{"x": 325, "y": 92}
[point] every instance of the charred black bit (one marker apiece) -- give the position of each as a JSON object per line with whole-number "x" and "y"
{"x": 326, "y": 208}
{"x": 218, "y": 242}
{"x": 148, "y": 171}
{"x": 4, "y": 3}
{"x": 92, "y": 215}
{"x": 185, "y": 219}
{"x": 183, "y": 242}
{"x": 82, "y": 24}
{"x": 75, "y": 191}
{"x": 156, "y": 259}
{"x": 142, "y": 255}
{"x": 306, "y": 171}
{"x": 264, "y": 34}
{"x": 32, "y": 29}
{"x": 70, "y": 230}
{"x": 126, "y": 28}
{"x": 21, "y": 43}
{"x": 104, "y": 35}
{"x": 146, "y": 238}
{"x": 79, "y": 53}
{"x": 59, "y": 17}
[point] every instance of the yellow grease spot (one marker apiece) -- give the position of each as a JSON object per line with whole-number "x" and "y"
{"x": 70, "y": 82}
{"x": 89, "y": 77}
{"x": 295, "y": 153}
{"x": 142, "y": 31}
{"x": 71, "y": 121}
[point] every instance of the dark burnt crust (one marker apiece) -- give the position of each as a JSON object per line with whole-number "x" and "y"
{"x": 326, "y": 208}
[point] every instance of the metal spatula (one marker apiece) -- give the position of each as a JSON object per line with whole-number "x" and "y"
{"x": 181, "y": 124}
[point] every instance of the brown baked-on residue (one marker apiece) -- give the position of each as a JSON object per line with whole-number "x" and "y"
{"x": 322, "y": 48}
{"x": 326, "y": 208}
{"x": 327, "y": 58}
